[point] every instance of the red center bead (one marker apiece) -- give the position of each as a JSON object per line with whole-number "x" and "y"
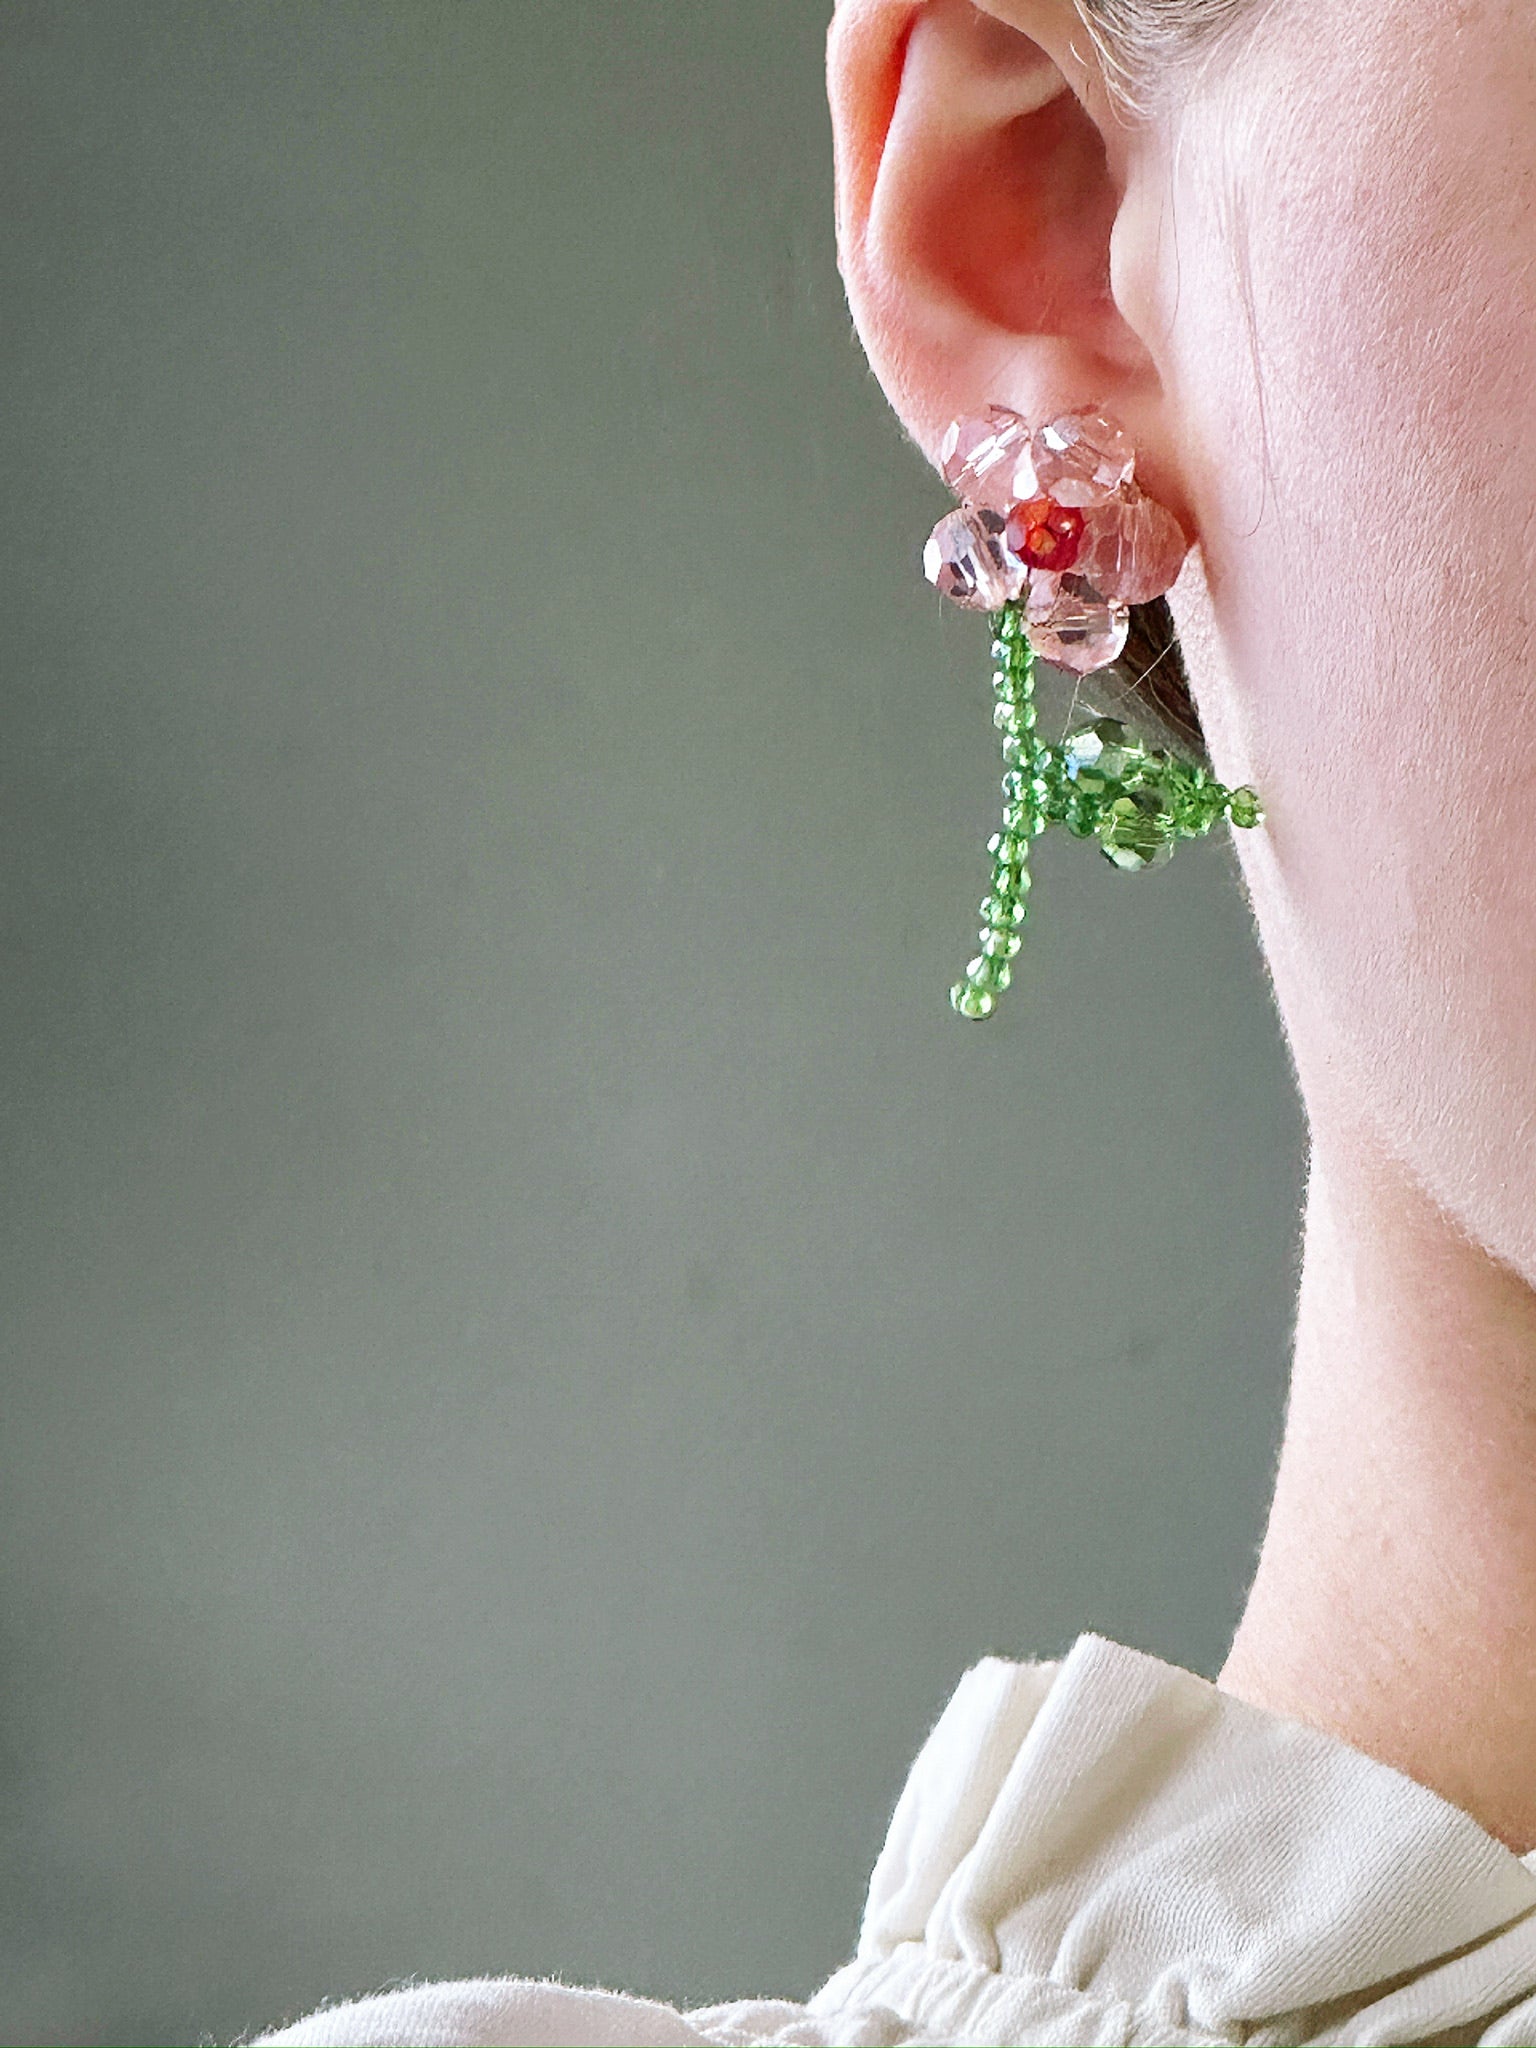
{"x": 1044, "y": 534}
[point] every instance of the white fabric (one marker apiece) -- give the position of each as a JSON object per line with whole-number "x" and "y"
{"x": 1104, "y": 1849}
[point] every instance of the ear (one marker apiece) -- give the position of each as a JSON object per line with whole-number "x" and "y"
{"x": 985, "y": 235}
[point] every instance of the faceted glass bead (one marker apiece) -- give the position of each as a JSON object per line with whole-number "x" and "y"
{"x": 1192, "y": 818}
{"x": 985, "y": 459}
{"x": 1135, "y": 832}
{"x": 1132, "y": 547}
{"x": 990, "y": 974}
{"x": 999, "y": 945}
{"x": 971, "y": 1002}
{"x": 967, "y": 559}
{"x": 1081, "y": 458}
{"x": 1098, "y": 754}
{"x": 1181, "y": 781}
{"x": 1045, "y": 535}
{"x": 1008, "y": 848}
{"x": 999, "y": 911}
{"x": 1005, "y": 716}
{"x": 1050, "y": 769}
{"x": 1073, "y": 624}
{"x": 1243, "y": 807}
{"x": 1195, "y": 799}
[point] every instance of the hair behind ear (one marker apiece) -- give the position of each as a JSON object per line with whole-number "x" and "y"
{"x": 1151, "y": 676}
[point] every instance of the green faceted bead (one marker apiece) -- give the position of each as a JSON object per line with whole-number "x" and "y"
{"x": 1008, "y": 848}
{"x": 1244, "y": 808}
{"x": 971, "y": 1002}
{"x": 1082, "y": 818}
{"x": 1013, "y": 749}
{"x": 1135, "y": 831}
{"x": 1098, "y": 754}
{"x": 1206, "y": 802}
{"x": 1089, "y": 780}
{"x": 991, "y": 976}
{"x": 1021, "y": 807}
{"x": 999, "y": 945}
{"x": 1005, "y": 717}
{"x": 1002, "y": 912}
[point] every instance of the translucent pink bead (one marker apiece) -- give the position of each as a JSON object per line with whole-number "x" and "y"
{"x": 1081, "y": 458}
{"x": 968, "y": 560}
{"x": 985, "y": 459}
{"x": 1132, "y": 548}
{"x": 1072, "y": 623}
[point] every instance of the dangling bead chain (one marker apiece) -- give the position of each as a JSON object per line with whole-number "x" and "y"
{"x": 1100, "y": 783}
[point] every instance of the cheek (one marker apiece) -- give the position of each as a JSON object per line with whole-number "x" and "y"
{"x": 1354, "y": 343}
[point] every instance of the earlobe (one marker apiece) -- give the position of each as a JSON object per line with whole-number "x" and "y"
{"x": 976, "y": 201}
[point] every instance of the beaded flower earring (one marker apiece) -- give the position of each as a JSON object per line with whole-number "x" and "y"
{"x": 1057, "y": 541}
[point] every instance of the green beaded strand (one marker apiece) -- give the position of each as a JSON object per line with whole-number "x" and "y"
{"x": 1099, "y": 782}
{"x": 1006, "y": 906}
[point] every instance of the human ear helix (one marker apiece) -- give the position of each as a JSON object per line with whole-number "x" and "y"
{"x": 1057, "y": 541}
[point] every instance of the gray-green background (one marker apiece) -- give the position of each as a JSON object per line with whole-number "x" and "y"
{"x": 536, "y": 1347}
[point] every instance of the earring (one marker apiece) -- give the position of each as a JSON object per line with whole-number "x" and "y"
{"x": 1057, "y": 541}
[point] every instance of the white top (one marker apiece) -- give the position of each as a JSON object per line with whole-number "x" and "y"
{"x": 1105, "y": 1849}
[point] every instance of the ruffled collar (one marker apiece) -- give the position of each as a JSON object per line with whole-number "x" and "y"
{"x": 1159, "y": 1860}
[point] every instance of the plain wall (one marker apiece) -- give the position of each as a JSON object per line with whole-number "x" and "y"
{"x": 537, "y": 1348}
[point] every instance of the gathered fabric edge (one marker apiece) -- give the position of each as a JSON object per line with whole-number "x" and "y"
{"x": 940, "y": 1998}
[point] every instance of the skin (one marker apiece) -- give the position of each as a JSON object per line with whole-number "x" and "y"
{"x": 1307, "y": 289}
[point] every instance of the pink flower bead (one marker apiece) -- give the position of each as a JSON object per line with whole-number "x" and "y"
{"x": 1081, "y": 458}
{"x": 1133, "y": 548}
{"x": 968, "y": 560}
{"x": 1072, "y": 624}
{"x": 985, "y": 458}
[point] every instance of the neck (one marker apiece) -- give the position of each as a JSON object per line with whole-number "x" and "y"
{"x": 1395, "y": 1599}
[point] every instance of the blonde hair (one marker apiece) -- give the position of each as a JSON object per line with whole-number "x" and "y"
{"x": 1144, "y": 45}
